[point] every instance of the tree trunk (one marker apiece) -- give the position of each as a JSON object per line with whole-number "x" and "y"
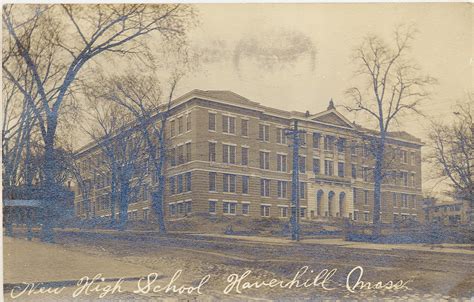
{"x": 124, "y": 192}
{"x": 49, "y": 186}
{"x": 158, "y": 195}
{"x": 378, "y": 177}
{"x": 87, "y": 206}
{"x": 157, "y": 204}
{"x": 113, "y": 197}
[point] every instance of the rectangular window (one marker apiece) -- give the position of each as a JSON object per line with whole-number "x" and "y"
{"x": 180, "y": 183}
{"x": 366, "y": 217}
{"x": 340, "y": 169}
{"x": 264, "y": 132}
{"x": 413, "y": 184}
{"x": 228, "y": 124}
{"x": 283, "y": 212}
{"x": 245, "y": 184}
{"x": 316, "y": 166}
{"x": 172, "y": 185}
{"x": 281, "y": 137}
{"x": 212, "y": 181}
{"x": 212, "y": 206}
{"x": 245, "y": 209}
{"x": 394, "y": 199}
{"x": 188, "y": 206}
{"x": 188, "y": 122}
{"x": 366, "y": 197}
{"x": 329, "y": 143}
{"x": 302, "y": 137}
{"x": 180, "y": 125}
{"x": 180, "y": 208}
{"x": 365, "y": 173}
{"x": 172, "y": 128}
{"x": 212, "y": 151}
{"x": 404, "y": 156}
{"x": 328, "y": 168}
{"x": 354, "y": 148}
{"x": 413, "y": 202}
{"x": 281, "y": 163}
{"x": 302, "y": 188}
{"x": 341, "y": 145}
{"x": 229, "y": 181}
{"x": 264, "y": 187}
{"x": 173, "y": 209}
{"x": 228, "y": 154}
{"x": 229, "y": 207}
{"x": 404, "y": 176}
{"x": 354, "y": 171}
{"x": 282, "y": 189}
{"x": 265, "y": 211}
{"x": 366, "y": 151}
{"x": 316, "y": 140}
{"x": 188, "y": 181}
{"x": 302, "y": 212}
{"x": 404, "y": 200}
{"x": 188, "y": 152}
{"x": 244, "y": 127}
{"x": 264, "y": 160}
{"x": 212, "y": 121}
{"x": 145, "y": 214}
{"x": 245, "y": 156}
{"x": 302, "y": 164}
{"x": 413, "y": 159}
{"x": 180, "y": 151}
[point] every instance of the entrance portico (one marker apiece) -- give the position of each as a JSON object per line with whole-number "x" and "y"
{"x": 330, "y": 199}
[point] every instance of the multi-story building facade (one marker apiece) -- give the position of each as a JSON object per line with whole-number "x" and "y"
{"x": 231, "y": 156}
{"x": 455, "y": 212}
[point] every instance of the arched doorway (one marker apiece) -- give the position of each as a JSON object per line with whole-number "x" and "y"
{"x": 342, "y": 201}
{"x": 331, "y": 203}
{"x": 319, "y": 202}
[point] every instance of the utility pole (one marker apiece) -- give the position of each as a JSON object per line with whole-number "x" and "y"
{"x": 295, "y": 196}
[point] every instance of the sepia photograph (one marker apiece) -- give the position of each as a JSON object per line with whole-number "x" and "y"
{"x": 238, "y": 151}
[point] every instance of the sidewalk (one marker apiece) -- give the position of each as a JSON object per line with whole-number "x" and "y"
{"x": 466, "y": 249}
{"x": 30, "y": 261}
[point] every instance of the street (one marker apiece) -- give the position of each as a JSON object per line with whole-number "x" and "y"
{"x": 230, "y": 262}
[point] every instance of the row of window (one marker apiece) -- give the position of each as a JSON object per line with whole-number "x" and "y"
{"x": 229, "y": 126}
{"x": 234, "y": 208}
{"x": 229, "y": 157}
{"x": 329, "y": 142}
{"x": 401, "y": 200}
{"x": 396, "y": 217}
{"x": 446, "y": 208}
{"x": 229, "y": 185}
{"x": 177, "y": 125}
{"x": 180, "y": 208}
{"x": 180, "y": 154}
{"x": 133, "y": 215}
{"x": 180, "y": 183}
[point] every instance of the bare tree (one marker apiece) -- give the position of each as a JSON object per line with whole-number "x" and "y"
{"x": 142, "y": 97}
{"x": 453, "y": 150}
{"x": 120, "y": 156}
{"x": 53, "y": 43}
{"x": 393, "y": 87}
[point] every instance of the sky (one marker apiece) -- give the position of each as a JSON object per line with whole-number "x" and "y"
{"x": 298, "y": 56}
